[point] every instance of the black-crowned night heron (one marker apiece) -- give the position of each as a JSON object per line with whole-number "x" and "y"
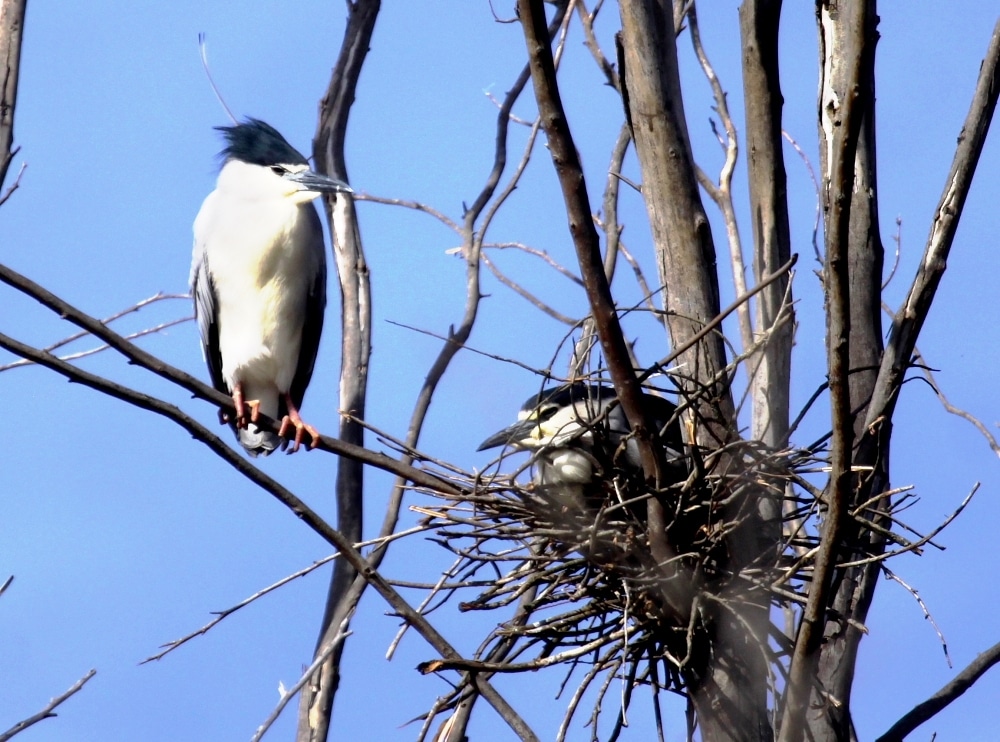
{"x": 577, "y": 432}
{"x": 259, "y": 281}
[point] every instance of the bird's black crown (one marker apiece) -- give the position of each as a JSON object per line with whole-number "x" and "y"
{"x": 566, "y": 395}
{"x": 258, "y": 143}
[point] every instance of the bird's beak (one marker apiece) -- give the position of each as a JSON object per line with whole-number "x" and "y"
{"x": 512, "y": 434}
{"x": 316, "y": 183}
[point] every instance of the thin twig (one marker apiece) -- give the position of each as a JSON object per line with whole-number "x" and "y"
{"x": 502, "y": 359}
{"x": 812, "y": 176}
{"x": 535, "y": 252}
{"x": 723, "y": 193}
{"x": 17, "y": 180}
{"x": 527, "y": 295}
{"x": 100, "y": 348}
{"x": 415, "y": 205}
{"x": 221, "y": 615}
{"x": 290, "y": 693}
{"x": 978, "y": 424}
{"x": 923, "y": 606}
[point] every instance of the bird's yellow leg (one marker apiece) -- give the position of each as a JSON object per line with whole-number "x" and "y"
{"x": 294, "y": 420}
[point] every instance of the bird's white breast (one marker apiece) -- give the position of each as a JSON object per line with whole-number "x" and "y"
{"x": 258, "y": 255}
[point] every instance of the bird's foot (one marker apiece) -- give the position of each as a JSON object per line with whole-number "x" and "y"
{"x": 293, "y": 420}
{"x": 241, "y": 405}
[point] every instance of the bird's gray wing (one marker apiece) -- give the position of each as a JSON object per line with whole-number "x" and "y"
{"x": 206, "y": 313}
{"x": 315, "y": 309}
{"x": 661, "y": 413}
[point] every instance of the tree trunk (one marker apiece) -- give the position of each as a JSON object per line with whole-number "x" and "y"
{"x": 728, "y": 676}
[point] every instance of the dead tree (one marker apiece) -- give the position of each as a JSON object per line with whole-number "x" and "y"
{"x": 667, "y": 577}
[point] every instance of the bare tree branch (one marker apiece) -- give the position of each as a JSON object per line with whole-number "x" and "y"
{"x": 49, "y": 711}
{"x": 948, "y": 693}
{"x": 195, "y": 386}
{"x": 224, "y": 614}
{"x": 540, "y": 254}
{"x": 11, "y": 31}
{"x": 722, "y": 193}
{"x": 316, "y": 705}
{"x": 923, "y": 607}
{"x": 590, "y": 39}
{"x": 759, "y": 24}
{"x": 303, "y": 511}
{"x": 323, "y": 655}
{"x": 978, "y": 424}
{"x": 17, "y": 180}
{"x": 527, "y": 295}
{"x": 909, "y": 319}
{"x": 586, "y": 242}
{"x": 845, "y": 99}
{"x": 107, "y": 320}
{"x": 407, "y": 204}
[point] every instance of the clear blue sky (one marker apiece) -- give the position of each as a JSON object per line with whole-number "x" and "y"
{"x": 123, "y": 533}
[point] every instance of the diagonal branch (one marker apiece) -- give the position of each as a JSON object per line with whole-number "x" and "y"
{"x": 948, "y": 693}
{"x": 303, "y": 511}
{"x": 587, "y": 244}
{"x": 50, "y": 708}
{"x": 199, "y": 389}
{"x": 107, "y": 320}
{"x": 197, "y": 430}
{"x": 909, "y": 319}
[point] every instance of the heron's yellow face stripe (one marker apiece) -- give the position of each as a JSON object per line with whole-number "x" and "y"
{"x": 550, "y": 425}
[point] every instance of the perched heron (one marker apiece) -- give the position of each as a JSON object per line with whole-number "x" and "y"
{"x": 258, "y": 277}
{"x": 576, "y": 429}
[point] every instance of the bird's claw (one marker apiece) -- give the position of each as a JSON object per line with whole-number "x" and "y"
{"x": 301, "y": 428}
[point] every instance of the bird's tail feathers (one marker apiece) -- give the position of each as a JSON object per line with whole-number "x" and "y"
{"x": 258, "y": 442}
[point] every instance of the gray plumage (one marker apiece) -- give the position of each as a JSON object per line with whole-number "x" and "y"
{"x": 575, "y": 429}
{"x": 258, "y": 277}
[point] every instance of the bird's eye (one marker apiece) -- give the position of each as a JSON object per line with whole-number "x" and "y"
{"x": 278, "y": 170}
{"x": 547, "y": 412}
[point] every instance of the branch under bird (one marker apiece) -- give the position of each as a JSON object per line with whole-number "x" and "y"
{"x": 258, "y": 277}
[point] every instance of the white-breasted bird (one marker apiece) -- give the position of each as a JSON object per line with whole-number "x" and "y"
{"x": 258, "y": 277}
{"x": 574, "y": 430}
